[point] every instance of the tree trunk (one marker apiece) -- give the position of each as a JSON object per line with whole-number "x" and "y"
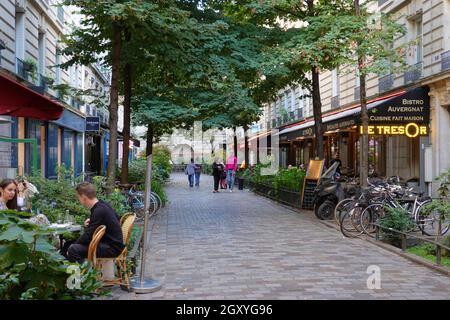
{"x": 149, "y": 147}
{"x": 364, "y": 138}
{"x": 113, "y": 107}
{"x": 126, "y": 121}
{"x": 235, "y": 147}
{"x": 317, "y": 110}
{"x": 246, "y": 148}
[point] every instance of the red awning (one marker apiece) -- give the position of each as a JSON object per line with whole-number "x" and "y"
{"x": 19, "y": 101}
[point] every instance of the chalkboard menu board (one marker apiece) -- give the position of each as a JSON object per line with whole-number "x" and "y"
{"x": 312, "y": 178}
{"x": 308, "y": 194}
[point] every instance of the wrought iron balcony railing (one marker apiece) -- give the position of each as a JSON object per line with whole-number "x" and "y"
{"x": 445, "y": 61}
{"x": 414, "y": 73}
{"x": 22, "y": 69}
{"x": 291, "y": 116}
{"x": 385, "y": 83}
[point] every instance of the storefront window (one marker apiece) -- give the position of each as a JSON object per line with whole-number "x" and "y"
{"x": 67, "y": 148}
{"x": 79, "y": 154}
{"x": 52, "y": 151}
{"x": 14, "y": 146}
{"x": 32, "y": 131}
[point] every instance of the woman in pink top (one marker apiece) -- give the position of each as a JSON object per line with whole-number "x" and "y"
{"x": 230, "y": 169}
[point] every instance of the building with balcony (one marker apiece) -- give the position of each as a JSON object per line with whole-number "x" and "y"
{"x": 30, "y": 55}
{"x": 415, "y": 158}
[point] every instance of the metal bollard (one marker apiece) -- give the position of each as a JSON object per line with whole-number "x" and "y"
{"x": 438, "y": 254}
{"x": 403, "y": 242}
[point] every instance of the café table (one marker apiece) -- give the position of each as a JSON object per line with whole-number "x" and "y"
{"x": 61, "y": 228}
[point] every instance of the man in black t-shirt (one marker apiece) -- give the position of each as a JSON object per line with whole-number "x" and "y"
{"x": 111, "y": 244}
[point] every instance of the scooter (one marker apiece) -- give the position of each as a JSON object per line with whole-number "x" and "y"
{"x": 328, "y": 193}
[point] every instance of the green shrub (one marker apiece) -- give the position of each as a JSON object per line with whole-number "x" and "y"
{"x": 31, "y": 268}
{"x": 397, "y": 219}
{"x": 57, "y": 196}
{"x": 289, "y": 179}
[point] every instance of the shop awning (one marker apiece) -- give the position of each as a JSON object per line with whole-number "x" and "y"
{"x": 19, "y": 101}
{"x": 351, "y": 112}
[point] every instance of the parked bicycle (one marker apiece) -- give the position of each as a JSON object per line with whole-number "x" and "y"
{"x": 136, "y": 201}
{"x": 358, "y": 215}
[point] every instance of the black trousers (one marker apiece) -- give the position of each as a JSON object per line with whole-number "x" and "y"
{"x": 75, "y": 252}
{"x": 216, "y": 182}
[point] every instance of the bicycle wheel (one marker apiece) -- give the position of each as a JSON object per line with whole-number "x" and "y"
{"x": 349, "y": 223}
{"x": 369, "y": 216}
{"x": 428, "y": 222}
{"x": 342, "y": 207}
{"x": 153, "y": 205}
{"x": 158, "y": 198}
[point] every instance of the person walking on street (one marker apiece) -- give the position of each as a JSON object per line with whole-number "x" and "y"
{"x": 217, "y": 174}
{"x": 198, "y": 172}
{"x": 223, "y": 176}
{"x": 190, "y": 171}
{"x": 230, "y": 168}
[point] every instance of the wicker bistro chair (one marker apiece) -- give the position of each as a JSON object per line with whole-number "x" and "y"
{"x": 92, "y": 249}
{"x": 126, "y": 223}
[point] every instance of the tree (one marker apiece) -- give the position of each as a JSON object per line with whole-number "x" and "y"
{"x": 372, "y": 40}
{"x": 101, "y": 32}
{"x": 310, "y": 42}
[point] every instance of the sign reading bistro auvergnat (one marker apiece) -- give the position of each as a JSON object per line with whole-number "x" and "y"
{"x": 410, "y": 107}
{"x": 407, "y": 114}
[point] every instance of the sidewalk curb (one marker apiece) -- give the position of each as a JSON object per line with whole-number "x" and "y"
{"x": 412, "y": 257}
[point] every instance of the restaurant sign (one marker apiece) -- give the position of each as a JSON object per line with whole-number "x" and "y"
{"x": 412, "y": 106}
{"x": 410, "y": 130}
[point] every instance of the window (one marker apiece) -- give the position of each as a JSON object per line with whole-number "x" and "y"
{"x": 52, "y": 151}
{"x": 287, "y": 102}
{"x": 20, "y": 35}
{"x": 14, "y": 146}
{"x": 357, "y": 81}
{"x": 41, "y": 48}
{"x": 66, "y": 150}
{"x": 32, "y": 131}
{"x": 414, "y": 53}
{"x": 58, "y": 68}
{"x": 418, "y": 27}
{"x": 79, "y": 154}
{"x": 335, "y": 82}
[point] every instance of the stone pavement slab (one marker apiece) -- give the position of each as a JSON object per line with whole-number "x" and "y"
{"x": 242, "y": 246}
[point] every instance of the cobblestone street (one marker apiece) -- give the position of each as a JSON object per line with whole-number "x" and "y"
{"x": 242, "y": 246}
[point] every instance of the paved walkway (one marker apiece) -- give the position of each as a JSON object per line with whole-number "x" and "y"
{"x": 242, "y": 246}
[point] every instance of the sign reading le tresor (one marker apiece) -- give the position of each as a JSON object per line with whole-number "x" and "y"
{"x": 92, "y": 123}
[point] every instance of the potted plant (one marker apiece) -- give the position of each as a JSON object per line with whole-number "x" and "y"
{"x": 30, "y": 67}
{"x": 47, "y": 79}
